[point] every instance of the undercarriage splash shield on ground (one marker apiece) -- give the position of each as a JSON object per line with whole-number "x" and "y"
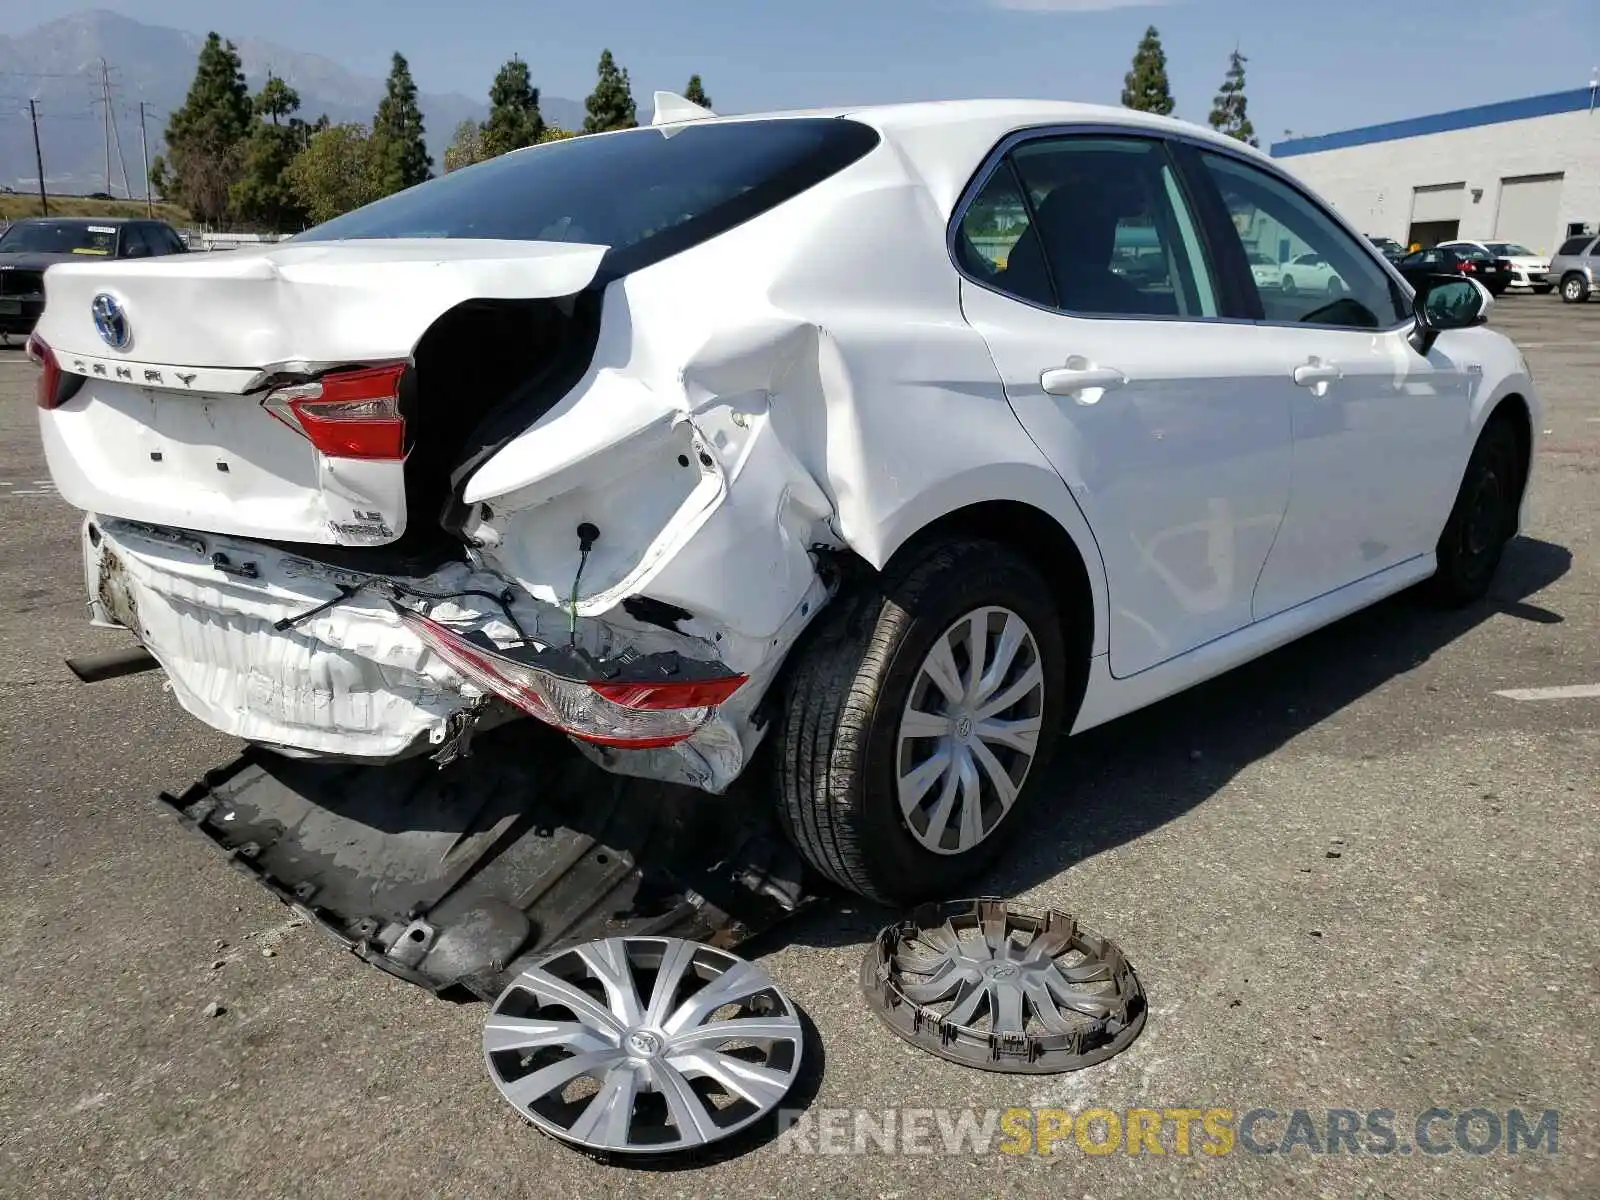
{"x": 1002, "y": 987}
{"x": 447, "y": 877}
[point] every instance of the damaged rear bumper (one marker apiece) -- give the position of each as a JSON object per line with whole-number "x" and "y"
{"x": 314, "y": 660}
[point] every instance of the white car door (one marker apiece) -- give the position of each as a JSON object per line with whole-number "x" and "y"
{"x": 1380, "y": 431}
{"x": 1170, "y": 426}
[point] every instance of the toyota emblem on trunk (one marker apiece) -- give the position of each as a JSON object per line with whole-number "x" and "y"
{"x": 111, "y": 321}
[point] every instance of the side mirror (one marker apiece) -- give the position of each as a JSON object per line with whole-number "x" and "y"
{"x": 1448, "y": 302}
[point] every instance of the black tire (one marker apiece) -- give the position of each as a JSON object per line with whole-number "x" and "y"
{"x": 1287, "y": 285}
{"x": 1482, "y": 520}
{"x": 1574, "y": 288}
{"x": 837, "y": 740}
{"x": 1335, "y": 288}
{"x": 1544, "y": 289}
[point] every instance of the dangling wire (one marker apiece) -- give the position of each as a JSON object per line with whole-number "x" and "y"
{"x": 588, "y": 535}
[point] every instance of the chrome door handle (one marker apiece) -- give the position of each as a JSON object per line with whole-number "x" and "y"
{"x": 1073, "y": 380}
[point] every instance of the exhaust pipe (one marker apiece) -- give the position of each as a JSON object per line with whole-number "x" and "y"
{"x": 92, "y": 668}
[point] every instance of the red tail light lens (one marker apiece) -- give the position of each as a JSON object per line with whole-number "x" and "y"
{"x": 349, "y": 414}
{"x": 630, "y": 715}
{"x": 49, "y": 393}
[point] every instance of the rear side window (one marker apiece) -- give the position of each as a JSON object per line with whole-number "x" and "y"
{"x": 645, "y": 193}
{"x": 1574, "y": 246}
{"x": 1093, "y": 226}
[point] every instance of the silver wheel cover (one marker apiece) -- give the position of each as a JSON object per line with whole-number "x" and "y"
{"x": 969, "y": 732}
{"x": 643, "y": 1044}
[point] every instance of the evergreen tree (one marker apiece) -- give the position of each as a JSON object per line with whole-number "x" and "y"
{"x": 514, "y": 117}
{"x": 610, "y": 105}
{"x": 276, "y": 100}
{"x": 205, "y": 138}
{"x": 1145, "y": 87}
{"x": 262, "y": 195}
{"x": 1228, "y": 110}
{"x": 695, "y": 93}
{"x": 398, "y": 133}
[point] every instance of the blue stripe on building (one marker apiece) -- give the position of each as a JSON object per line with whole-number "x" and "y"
{"x": 1577, "y": 100}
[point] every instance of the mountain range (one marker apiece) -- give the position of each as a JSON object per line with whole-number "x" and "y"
{"x": 58, "y": 64}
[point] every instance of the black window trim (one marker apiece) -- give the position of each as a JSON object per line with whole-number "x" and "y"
{"x": 1205, "y": 198}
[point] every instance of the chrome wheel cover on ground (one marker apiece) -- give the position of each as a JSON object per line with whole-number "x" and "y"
{"x": 643, "y": 1044}
{"x": 970, "y": 730}
{"x": 1003, "y": 987}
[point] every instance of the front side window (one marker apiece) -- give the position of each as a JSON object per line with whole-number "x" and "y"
{"x": 645, "y": 193}
{"x": 1340, "y": 284}
{"x": 1093, "y": 226}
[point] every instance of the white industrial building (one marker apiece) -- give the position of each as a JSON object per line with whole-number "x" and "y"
{"x": 1523, "y": 171}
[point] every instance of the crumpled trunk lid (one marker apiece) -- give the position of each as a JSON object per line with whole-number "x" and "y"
{"x": 163, "y": 419}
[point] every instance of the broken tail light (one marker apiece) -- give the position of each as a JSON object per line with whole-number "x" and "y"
{"x": 49, "y": 392}
{"x": 637, "y": 715}
{"x": 346, "y": 414}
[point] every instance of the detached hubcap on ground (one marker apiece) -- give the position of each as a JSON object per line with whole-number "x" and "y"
{"x": 643, "y": 1044}
{"x": 970, "y": 730}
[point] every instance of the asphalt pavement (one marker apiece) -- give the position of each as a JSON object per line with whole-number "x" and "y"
{"x": 1351, "y": 876}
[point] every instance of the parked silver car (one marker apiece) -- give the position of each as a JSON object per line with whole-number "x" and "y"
{"x": 1576, "y": 267}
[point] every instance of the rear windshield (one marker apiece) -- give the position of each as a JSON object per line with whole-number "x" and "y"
{"x": 645, "y": 193}
{"x": 60, "y": 237}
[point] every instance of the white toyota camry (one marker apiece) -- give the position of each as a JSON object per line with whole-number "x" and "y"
{"x": 851, "y": 431}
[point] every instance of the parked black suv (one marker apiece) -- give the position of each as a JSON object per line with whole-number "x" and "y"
{"x": 35, "y": 243}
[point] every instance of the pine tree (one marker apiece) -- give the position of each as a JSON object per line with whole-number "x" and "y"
{"x": 1228, "y": 110}
{"x": 205, "y": 138}
{"x": 514, "y": 117}
{"x": 262, "y": 195}
{"x": 695, "y": 93}
{"x": 1145, "y": 87}
{"x": 276, "y": 100}
{"x": 610, "y": 105}
{"x": 397, "y": 132}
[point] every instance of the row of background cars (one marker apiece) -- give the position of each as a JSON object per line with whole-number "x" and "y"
{"x": 1574, "y": 268}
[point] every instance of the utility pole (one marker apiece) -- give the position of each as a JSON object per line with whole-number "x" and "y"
{"x": 144, "y": 147}
{"x": 105, "y": 98}
{"x": 38, "y": 158}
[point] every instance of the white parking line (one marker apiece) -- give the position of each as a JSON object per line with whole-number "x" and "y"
{"x": 1574, "y": 691}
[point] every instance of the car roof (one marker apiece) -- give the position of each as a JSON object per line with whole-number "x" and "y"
{"x": 79, "y": 220}
{"x": 944, "y": 140}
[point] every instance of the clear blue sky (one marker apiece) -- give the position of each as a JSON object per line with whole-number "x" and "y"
{"x": 1314, "y": 66}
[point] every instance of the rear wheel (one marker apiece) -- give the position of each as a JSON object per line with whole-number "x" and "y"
{"x": 1544, "y": 289}
{"x": 918, "y": 721}
{"x": 1335, "y": 287}
{"x": 1574, "y": 289}
{"x": 1288, "y": 285}
{"x": 1483, "y": 519}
